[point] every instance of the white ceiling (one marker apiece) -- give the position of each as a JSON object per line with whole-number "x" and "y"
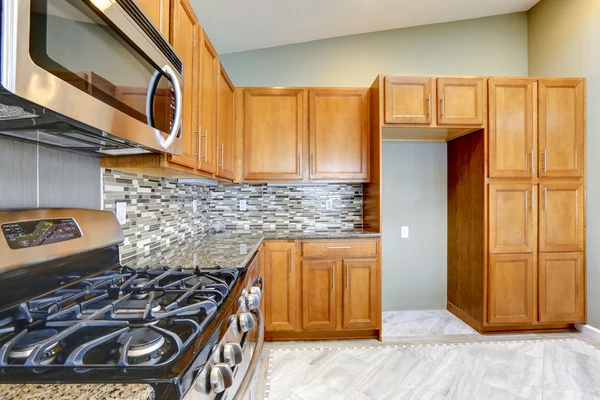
{"x": 238, "y": 25}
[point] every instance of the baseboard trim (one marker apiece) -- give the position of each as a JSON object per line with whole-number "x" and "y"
{"x": 466, "y": 318}
{"x": 588, "y": 330}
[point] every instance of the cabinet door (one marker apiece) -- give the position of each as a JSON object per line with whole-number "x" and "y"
{"x": 338, "y": 133}
{"x": 185, "y": 39}
{"x": 408, "y": 100}
{"x": 511, "y": 128}
{"x": 511, "y": 218}
{"x": 273, "y": 134}
{"x": 158, "y": 12}
{"x": 561, "y": 217}
{"x": 318, "y": 294}
{"x": 561, "y": 287}
{"x": 360, "y": 294}
{"x": 225, "y": 117}
{"x": 561, "y": 127}
{"x": 280, "y": 283}
{"x": 209, "y": 88}
{"x": 510, "y": 289}
{"x": 460, "y": 101}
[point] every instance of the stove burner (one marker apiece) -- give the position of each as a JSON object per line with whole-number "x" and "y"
{"x": 193, "y": 281}
{"x": 144, "y": 342}
{"x": 23, "y": 348}
{"x": 139, "y": 283}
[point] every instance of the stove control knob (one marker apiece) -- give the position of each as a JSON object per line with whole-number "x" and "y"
{"x": 203, "y": 381}
{"x": 253, "y": 301}
{"x": 246, "y": 321}
{"x": 256, "y": 290}
{"x": 232, "y": 354}
{"x": 221, "y": 377}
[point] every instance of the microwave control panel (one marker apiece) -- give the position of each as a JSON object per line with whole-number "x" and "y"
{"x": 26, "y": 234}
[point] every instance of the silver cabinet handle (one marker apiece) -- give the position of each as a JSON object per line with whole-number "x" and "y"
{"x": 429, "y": 106}
{"x": 312, "y": 163}
{"x": 339, "y": 247}
{"x": 545, "y": 198}
{"x": 300, "y": 164}
{"x": 532, "y": 197}
{"x": 545, "y": 160}
{"x": 346, "y": 276}
{"x": 222, "y": 155}
{"x": 443, "y": 108}
{"x": 206, "y": 145}
{"x": 178, "y": 106}
{"x": 532, "y": 163}
{"x": 333, "y": 278}
{"x": 527, "y": 201}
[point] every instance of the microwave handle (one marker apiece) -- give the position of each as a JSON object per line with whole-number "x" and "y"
{"x": 178, "y": 105}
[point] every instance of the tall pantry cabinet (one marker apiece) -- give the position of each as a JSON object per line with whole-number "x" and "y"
{"x": 534, "y": 275}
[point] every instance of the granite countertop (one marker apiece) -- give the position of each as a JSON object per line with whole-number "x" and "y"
{"x": 234, "y": 249}
{"x": 76, "y": 392}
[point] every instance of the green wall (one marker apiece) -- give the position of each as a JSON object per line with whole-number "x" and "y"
{"x": 564, "y": 40}
{"x": 484, "y": 46}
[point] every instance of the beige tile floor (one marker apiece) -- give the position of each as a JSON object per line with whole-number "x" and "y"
{"x": 432, "y": 355}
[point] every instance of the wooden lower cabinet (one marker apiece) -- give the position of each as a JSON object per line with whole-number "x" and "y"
{"x": 561, "y": 287}
{"x": 359, "y": 308}
{"x": 318, "y": 294}
{"x": 510, "y": 289}
{"x": 279, "y": 276}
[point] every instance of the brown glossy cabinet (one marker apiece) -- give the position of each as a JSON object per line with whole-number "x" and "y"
{"x": 273, "y": 147}
{"x": 360, "y": 302}
{"x": 408, "y": 100}
{"x": 510, "y": 289}
{"x": 279, "y": 280}
{"x": 561, "y": 223}
{"x": 319, "y": 294}
{"x": 338, "y": 134}
{"x": 209, "y": 87}
{"x": 225, "y": 126}
{"x": 158, "y": 11}
{"x": 460, "y": 101}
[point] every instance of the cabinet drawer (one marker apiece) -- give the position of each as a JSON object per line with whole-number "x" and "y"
{"x": 320, "y": 249}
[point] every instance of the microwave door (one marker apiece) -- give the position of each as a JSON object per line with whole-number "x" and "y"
{"x": 99, "y": 63}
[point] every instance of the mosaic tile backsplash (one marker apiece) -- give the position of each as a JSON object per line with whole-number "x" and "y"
{"x": 160, "y": 211}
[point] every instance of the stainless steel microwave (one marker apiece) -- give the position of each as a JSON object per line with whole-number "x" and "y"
{"x": 90, "y": 76}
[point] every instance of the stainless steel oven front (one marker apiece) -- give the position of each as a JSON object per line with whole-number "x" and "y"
{"x": 90, "y": 76}
{"x": 229, "y": 371}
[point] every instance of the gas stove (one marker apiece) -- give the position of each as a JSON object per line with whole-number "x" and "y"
{"x": 77, "y": 315}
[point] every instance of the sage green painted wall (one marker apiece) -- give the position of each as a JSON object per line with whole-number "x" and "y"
{"x": 564, "y": 40}
{"x": 414, "y": 174}
{"x": 484, "y": 46}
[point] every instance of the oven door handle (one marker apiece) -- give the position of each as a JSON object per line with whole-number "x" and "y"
{"x": 178, "y": 105}
{"x": 260, "y": 341}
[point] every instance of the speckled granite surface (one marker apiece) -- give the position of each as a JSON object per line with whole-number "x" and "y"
{"x": 76, "y": 392}
{"x": 235, "y": 248}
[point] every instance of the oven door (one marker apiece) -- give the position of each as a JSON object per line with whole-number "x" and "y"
{"x": 101, "y": 63}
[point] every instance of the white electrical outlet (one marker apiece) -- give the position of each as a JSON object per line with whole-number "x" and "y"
{"x": 243, "y": 248}
{"x": 195, "y": 206}
{"x": 404, "y": 232}
{"x": 329, "y": 204}
{"x": 121, "y": 212}
{"x": 243, "y": 205}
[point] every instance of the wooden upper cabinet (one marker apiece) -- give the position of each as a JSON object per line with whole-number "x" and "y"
{"x": 280, "y": 290}
{"x": 561, "y": 217}
{"x": 158, "y": 11}
{"x": 209, "y": 88}
{"x": 185, "y": 39}
{"x": 225, "y": 121}
{"x": 510, "y": 289}
{"x": 460, "y": 101}
{"x": 561, "y": 127}
{"x": 408, "y": 100}
{"x": 511, "y": 152}
{"x": 561, "y": 287}
{"x": 273, "y": 134}
{"x": 319, "y": 295}
{"x": 512, "y": 218}
{"x": 339, "y": 134}
{"x": 360, "y": 294}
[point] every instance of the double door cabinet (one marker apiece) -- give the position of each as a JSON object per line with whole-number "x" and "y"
{"x": 322, "y": 289}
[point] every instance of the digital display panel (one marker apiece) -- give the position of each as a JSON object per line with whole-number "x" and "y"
{"x": 26, "y": 234}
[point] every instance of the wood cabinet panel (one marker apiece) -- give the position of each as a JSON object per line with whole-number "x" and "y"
{"x": 359, "y": 308}
{"x": 338, "y": 133}
{"x": 511, "y": 152}
{"x": 510, "y": 289}
{"x": 280, "y": 286}
{"x": 561, "y": 127}
{"x": 339, "y": 249}
{"x": 225, "y": 121}
{"x": 319, "y": 294}
{"x": 185, "y": 40}
{"x": 511, "y": 218}
{"x": 273, "y": 134}
{"x": 158, "y": 11}
{"x": 408, "y": 100}
{"x": 562, "y": 223}
{"x": 209, "y": 88}
{"x": 561, "y": 287}
{"x": 460, "y": 101}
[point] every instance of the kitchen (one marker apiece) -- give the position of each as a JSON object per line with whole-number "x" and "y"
{"x": 408, "y": 196}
